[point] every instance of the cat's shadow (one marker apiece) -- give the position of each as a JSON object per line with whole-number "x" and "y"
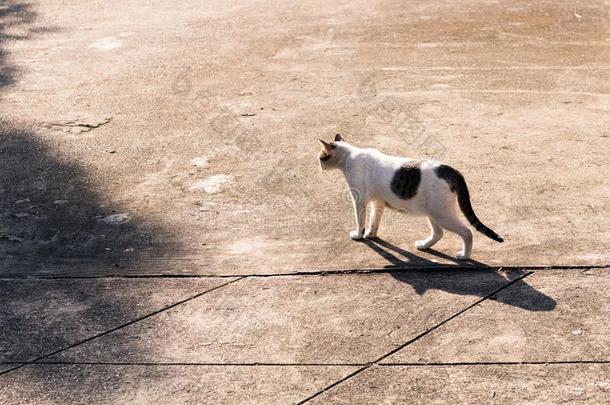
{"x": 469, "y": 277}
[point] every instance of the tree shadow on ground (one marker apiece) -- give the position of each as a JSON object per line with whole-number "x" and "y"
{"x": 53, "y": 219}
{"x": 466, "y": 278}
{"x": 12, "y": 16}
{"x": 16, "y": 24}
{"x": 50, "y": 214}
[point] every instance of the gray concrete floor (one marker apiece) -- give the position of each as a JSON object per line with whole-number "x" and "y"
{"x": 166, "y": 233}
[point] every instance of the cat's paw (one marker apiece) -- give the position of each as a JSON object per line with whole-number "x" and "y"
{"x": 422, "y": 244}
{"x": 462, "y": 256}
{"x": 356, "y": 235}
{"x": 370, "y": 234}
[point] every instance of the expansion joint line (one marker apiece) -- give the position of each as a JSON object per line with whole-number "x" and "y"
{"x": 288, "y": 364}
{"x": 313, "y": 272}
{"x": 410, "y": 341}
{"x": 141, "y": 318}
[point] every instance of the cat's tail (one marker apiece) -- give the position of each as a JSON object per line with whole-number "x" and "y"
{"x": 458, "y": 185}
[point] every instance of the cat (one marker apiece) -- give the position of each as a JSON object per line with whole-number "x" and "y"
{"x": 420, "y": 187}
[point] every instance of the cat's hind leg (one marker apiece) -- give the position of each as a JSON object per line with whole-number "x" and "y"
{"x": 436, "y": 233}
{"x": 451, "y": 222}
{"x": 375, "y": 219}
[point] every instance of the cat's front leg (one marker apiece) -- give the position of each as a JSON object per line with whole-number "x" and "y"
{"x": 360, "y": 212}
{"x": 376, "y": 213}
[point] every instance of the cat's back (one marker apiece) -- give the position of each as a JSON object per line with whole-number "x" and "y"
{"x": 375, "y": 156}
{"x": 380, "y": 165}
{"x": 385, "y": 165}
{"x": 396, "y": 162}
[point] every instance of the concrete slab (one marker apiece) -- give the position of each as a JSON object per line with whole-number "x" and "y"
{"x": 576, "y": 329}
{"x": 41, "y": 316}
{"x": 308, "y": 319}
{"x": 187, "y": 142}
{"x": 540, "y": 384}
{"x": 38, "y": 384}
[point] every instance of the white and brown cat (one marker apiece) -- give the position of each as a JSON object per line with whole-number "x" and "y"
{"x": 419, "y": 187}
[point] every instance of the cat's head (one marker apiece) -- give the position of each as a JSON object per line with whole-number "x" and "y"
{"x": 329, "y": 154}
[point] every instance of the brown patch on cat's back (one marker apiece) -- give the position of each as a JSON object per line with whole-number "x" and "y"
{"x": 406, "y": 180}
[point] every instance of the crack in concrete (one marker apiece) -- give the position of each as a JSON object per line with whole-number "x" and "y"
{"x": 79, "y": 123}
{"x": 141, "y": 318}
{"x": 412, "y": 340}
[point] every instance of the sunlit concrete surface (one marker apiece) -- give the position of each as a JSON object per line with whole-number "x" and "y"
{"x": 166, "y": 233}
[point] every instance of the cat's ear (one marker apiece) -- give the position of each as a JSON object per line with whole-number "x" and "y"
{"x": 338, "y": 138}
{"x": 327, "y": 146}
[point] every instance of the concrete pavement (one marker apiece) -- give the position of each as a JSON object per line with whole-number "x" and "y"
{"x": 439, "y": 335}
{"x": 167, "y": 235}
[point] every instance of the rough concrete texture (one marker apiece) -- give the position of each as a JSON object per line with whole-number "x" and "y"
{"x": 331, "y": 319}
{"x": 41, "y": 316}
{"x": 4, "y": 367}
{"x": 151, "y": 138}
{"x": 575, "y": 329}
{"x": 197, "y": 125}
{"x": 60, "y": 384}
{"x": 539, "y": 384}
